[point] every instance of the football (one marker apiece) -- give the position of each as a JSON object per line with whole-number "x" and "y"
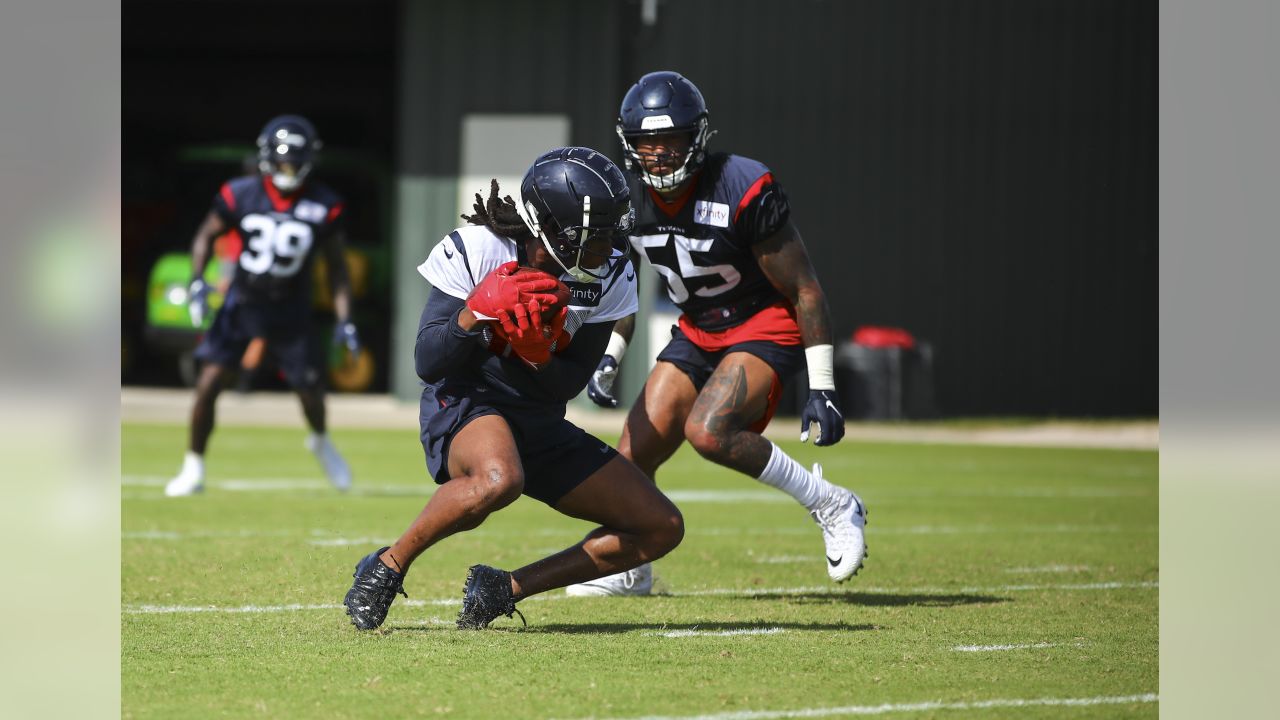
{"x": 562, "y": 291}
{"x": 497, "y": 337}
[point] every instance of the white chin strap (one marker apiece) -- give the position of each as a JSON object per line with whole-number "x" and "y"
{"x": 576, "y": 271}
{"x": 665, "y": 182}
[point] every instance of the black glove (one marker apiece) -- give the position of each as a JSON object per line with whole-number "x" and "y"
{"x": 345, "y": 334}
{"x": 198, "y": 301}
{"x": 600, "y": 388}
{"x": 822, "y": 408}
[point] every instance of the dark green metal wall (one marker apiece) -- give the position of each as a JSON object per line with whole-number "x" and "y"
{"x": 981, "y": 172}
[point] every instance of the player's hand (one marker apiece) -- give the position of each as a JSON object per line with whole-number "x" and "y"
{"x": 505, "y": 290}
{"x": 198, "y": 301}
{"x": 822, "y": 408}
{"x": 533, "y": 345}
{"x": 600, "y": 388}
{"x": 344, "y": 333}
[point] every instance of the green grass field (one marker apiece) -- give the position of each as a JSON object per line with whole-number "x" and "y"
{"x": 1002, "y": 582}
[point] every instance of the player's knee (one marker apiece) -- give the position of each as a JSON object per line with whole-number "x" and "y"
{"x": 665, "y": 534}
{"x": 208, "y": 386}
{"x": 672, "y": 531}
{"x": 312, "y": 396}
{"x": 493, "y": 486}
{"x": 710, "y": 444}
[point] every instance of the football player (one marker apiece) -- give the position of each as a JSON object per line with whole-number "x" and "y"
{"x": 717, "y": 228}
{"x": 501, "y": 353}
{"x": 281, "y": 219}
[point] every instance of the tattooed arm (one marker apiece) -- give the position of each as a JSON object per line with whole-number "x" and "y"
{"x": 785, "y": 262}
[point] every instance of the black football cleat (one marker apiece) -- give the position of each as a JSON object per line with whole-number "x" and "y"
{"x": 486, "y": 595}
{"x": 371, "y": 594}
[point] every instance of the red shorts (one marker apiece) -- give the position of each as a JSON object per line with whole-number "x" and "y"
{"x": 775, "y": 323}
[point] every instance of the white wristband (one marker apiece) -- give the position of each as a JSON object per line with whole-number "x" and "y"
{"x": 617, "y": 347}
{"x": 821, "y": 374}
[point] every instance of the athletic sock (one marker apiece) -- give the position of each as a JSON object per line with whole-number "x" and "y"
{"x": 791, "y": 478}
{"x": 193, "y": 462}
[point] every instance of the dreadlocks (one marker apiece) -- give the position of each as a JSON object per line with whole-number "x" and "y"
{"x": 499, "y": 215}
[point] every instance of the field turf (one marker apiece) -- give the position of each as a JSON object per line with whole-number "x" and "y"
{"x": 1002, "y": 582}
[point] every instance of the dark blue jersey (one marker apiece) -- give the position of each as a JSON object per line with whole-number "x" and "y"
{"x": 279, "y": 235}
{"x": 701, "y": 242}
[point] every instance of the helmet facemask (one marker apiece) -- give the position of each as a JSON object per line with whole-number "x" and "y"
{"x": 685, "y": 166}
{"x": 574, "y": 246}
{"x": 284, "y": 156}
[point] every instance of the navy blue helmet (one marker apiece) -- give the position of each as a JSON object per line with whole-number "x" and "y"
{"x": 286, "y": 147}
{"x": 571, "y": 197}
{"x": 661, "y": 103}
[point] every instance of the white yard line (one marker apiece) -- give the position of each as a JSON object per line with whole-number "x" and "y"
{"x": 260, "y": 609}
{"x": 991, "y": 530}
{"x": 347, "y": 542}
{"x": 726, "y": 496}
{"x": 270, "y": 484}
{"x": 278, "y": 482}
{"x": 252, "y": 609}
{"x": 998, "y": 648}
{"x": 741, "y": 592}
{"x": 720, "y": 633}
{"x": 1048, "y": 569}
{"x": 201, "y": 534}
{"x": 888, "y": 708}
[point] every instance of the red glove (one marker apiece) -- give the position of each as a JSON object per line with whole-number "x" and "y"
{"x": 500, "y": 344}
{"x": 503, "y": 290}
{"x": 531, "y": 339}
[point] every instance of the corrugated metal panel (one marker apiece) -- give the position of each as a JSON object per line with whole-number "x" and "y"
{"x": 981, "y": 173}
{"x": 555, "y": 56}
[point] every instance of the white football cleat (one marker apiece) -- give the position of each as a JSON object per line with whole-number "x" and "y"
{"x": 842, "y": 519}
{"x": 334, "y": 466}
{"x": 190, "y": 479}
{"x": 636, "y": 581}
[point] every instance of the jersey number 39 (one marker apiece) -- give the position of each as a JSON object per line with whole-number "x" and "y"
{"x": 276, "y": 247}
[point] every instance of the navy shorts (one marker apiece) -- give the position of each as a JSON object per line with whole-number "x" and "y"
{"x": 556, "y": 454}
{"x": 698, "y": 364}
{"x": 286, "y": 328}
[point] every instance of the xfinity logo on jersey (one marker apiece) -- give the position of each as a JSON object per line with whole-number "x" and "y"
{"x": 584, "y": 294}
{"x": 309, "y": 211}
{"x": 711, "y": 213}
